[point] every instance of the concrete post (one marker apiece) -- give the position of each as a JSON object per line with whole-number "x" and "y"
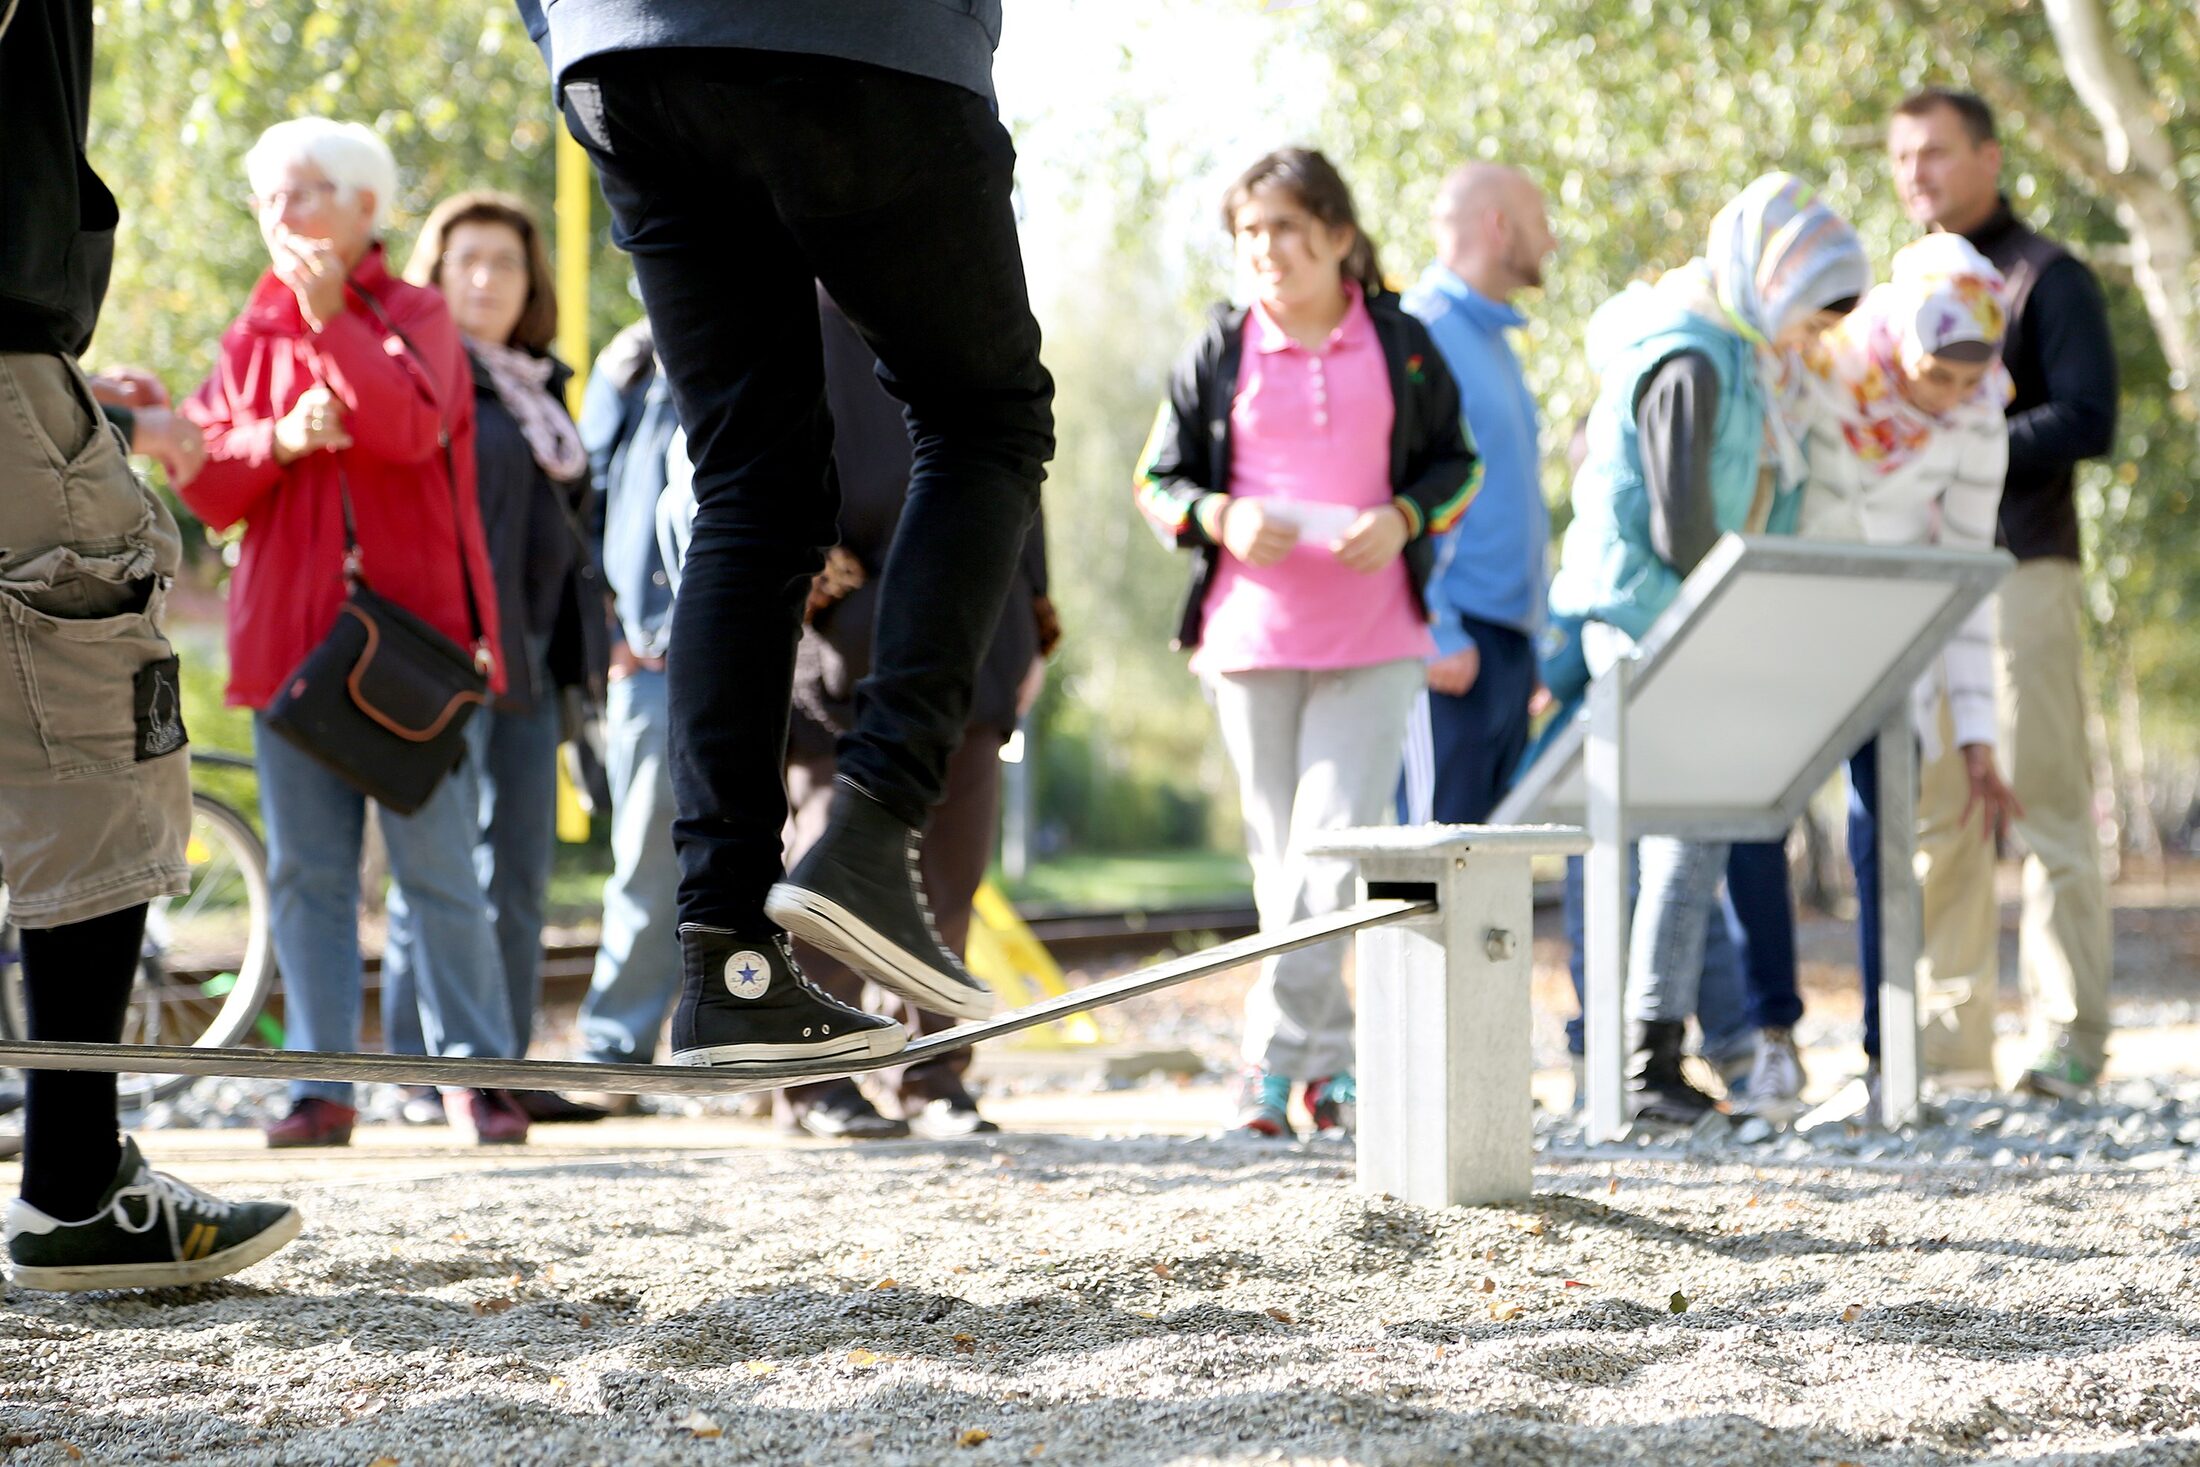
{"x": 1445, "y": 1112}
{"x": 1605, "y": 896}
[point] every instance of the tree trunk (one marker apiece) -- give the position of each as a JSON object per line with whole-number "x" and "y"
{"x": 2141, "y": 173}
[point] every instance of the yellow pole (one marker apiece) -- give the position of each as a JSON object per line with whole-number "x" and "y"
{"x": 574, "y": 187}
{"x": 573, "y": 200}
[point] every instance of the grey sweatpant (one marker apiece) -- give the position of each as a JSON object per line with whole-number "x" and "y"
{"x": 1314, "y": 751}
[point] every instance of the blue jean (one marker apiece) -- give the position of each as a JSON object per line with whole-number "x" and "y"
{"x": 1475, "y": 740}
{"x": 315, "y": 823}
{"x": 1760, "y": 918}
{"x": 517, "y": 757}
{"x": 1725, "y": 1008}
{"x": 638, "y": 961}
{"x": 1864, "y": 860}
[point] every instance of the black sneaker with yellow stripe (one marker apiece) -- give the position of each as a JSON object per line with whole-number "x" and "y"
{"x": 149, "y": 1231}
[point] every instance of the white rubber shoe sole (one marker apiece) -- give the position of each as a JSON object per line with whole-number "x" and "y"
{"x": 177, "y": 1275}
{"x": 848, "y": 937}
{"x": 862, "y": 1044}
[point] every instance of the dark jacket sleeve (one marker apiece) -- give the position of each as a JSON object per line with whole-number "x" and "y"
{"x": 1441, "y": 471}
{"x": 1176, "y": 470}
{"x": 1677, "y": 420}
{"x": 2067, "y": 319}
{"x": 124, "y": 419}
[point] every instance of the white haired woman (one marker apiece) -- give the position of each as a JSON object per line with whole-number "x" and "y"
{"x": 341, "y": 381}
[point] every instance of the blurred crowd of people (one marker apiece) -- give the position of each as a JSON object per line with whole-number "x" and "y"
{"x": 1371, "y": 619}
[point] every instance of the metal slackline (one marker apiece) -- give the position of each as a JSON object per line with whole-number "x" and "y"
{"x": 492, "y": 1074}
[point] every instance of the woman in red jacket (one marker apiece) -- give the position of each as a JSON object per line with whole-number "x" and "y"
{"x": 340, "y": 380}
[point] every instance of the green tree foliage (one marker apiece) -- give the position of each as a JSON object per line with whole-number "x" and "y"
{"x": 183, "y": 87}
{"x": 1640, "y": 117}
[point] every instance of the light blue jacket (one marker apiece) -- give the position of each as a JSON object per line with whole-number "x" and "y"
{"x": 1491, "y": 566}
{"x": 1608, "y": 569}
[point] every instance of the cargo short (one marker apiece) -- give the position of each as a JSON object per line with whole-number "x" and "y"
{"x": 95, "y": 789}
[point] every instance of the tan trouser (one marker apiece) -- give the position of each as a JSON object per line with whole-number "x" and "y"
{"x": 2045, "y": 756}
{"x": 95, "y": 793}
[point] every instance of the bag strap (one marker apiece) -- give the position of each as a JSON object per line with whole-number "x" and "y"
{"x": 483, "y": 654}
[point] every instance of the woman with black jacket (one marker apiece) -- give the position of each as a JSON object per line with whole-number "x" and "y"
{"x": 486, "y": 255}
{"x": 1310, "y": 448}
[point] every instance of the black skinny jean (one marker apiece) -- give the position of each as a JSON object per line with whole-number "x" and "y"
{"x": 736, "y": 179}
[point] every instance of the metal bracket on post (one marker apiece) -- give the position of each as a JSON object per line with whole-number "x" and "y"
{"x": 1901, "y": 920}
{"x": 1446, "y": 1117}
{"x": 1605, "y": 900}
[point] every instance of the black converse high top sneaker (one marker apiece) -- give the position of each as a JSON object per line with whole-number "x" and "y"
{"x": 743, "y": 1002}
{"x": 858, "y": 894}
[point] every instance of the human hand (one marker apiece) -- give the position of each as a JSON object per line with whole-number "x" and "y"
{"x": 1255, "y": 536}
{"x": 173, "y": 439}
{"x": 1540, "y": 701}
{"x": 1034, "y": 683}
{"x": 624, "y": 664}
{"x": 1373, "y": 541}
{"x": 130, "y": 387}
{"x": 315, "y": 274}
{"x": 1996, "y": 802}
{"x": 314, "y": 422}
{"x": 1453, "y": 675}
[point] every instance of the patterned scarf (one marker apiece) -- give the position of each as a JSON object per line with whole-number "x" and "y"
{"x": 1777, "y": 254}
{"x": 522, "y": 384}
{"x": 1943, "y": 292}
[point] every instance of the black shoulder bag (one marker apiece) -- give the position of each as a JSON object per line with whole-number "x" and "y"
{"x": 382, "y": 702}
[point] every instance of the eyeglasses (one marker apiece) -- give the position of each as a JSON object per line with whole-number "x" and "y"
{"x": 311, "y": 195}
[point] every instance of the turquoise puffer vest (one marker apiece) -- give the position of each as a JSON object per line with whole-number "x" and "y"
{"x": 1608, "y": 570}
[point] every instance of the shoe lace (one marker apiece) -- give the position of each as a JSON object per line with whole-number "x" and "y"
{"x": 162, "y": 1195}
{"x": 802, "y": 979}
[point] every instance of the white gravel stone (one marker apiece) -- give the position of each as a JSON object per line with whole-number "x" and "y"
{"x": 1153, "y": 1301}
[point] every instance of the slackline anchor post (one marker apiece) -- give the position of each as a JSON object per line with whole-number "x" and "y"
{"x": 1446, "y": 1117}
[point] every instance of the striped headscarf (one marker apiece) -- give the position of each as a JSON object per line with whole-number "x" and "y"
{"x": 1778, "y": 255}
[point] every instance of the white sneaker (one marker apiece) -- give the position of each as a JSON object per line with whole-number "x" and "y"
{"x": 1775, "y": 1088}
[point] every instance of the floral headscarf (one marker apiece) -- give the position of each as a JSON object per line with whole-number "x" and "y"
{"x": 1943, "y": 292}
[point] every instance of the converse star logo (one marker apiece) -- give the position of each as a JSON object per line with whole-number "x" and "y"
{"x": 748, "y": 975}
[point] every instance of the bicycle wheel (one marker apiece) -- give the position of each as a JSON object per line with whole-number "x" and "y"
{"x": 207, "y": 965}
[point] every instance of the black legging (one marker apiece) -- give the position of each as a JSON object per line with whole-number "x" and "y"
{"x": 77, "y": 982}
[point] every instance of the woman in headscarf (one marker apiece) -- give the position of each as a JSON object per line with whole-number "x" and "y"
{"x": 1695, "y": 434}
{"x": 1908, "y": 445}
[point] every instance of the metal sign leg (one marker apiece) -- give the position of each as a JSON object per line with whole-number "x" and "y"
{"x": 1604, "y": 763}
{"x": 1901, "y": 921}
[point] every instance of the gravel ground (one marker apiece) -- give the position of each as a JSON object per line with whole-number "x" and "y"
{"x": 1147, "y": 1300}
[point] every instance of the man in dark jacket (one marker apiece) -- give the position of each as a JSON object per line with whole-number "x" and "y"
{"x": 1947, "y": 165}
{"x": 95, "y": 790}
{"x": 749, "y": 149}
{"x": 872, "y": 458}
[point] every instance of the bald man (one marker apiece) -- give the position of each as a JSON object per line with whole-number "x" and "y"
{"x": 1487, "y": 591}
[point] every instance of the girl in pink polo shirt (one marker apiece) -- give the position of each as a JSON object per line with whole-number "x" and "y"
{"x": 1309, "y": 449}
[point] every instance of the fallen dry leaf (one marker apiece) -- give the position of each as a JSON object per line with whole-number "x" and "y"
{"x": 492, "y": 1306}
{"x": 384, "y": 1462}
{"x": 1280, "y": 1316}
{"x": 1611, "y": 1186}
{"x": 1533, "y": 1228}
{"x": 1851, "y": 1314}
{"x": 1678, "y": 1303}
{"x": 960, "y": 1268}
{"x": 886, "y": 1284}
{"x": 68, "y": 1449}
{"x": 1505, "y": 1311}
{"x": 1489, "y": 1285}
{"x": 587, "y": 1321}
{"x": 864, "y": 1359}
{"x": 1161, "y": 1270}
{"x": 1572, "y": 1284}
{"x": 701, "y": 1426}
{"x": 976, "y": 1436}
{"x": 966, "y": 1344}
{"x": 761, "y": 1367}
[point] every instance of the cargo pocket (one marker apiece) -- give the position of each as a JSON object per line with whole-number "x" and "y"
{"x": 85, "y": 695}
